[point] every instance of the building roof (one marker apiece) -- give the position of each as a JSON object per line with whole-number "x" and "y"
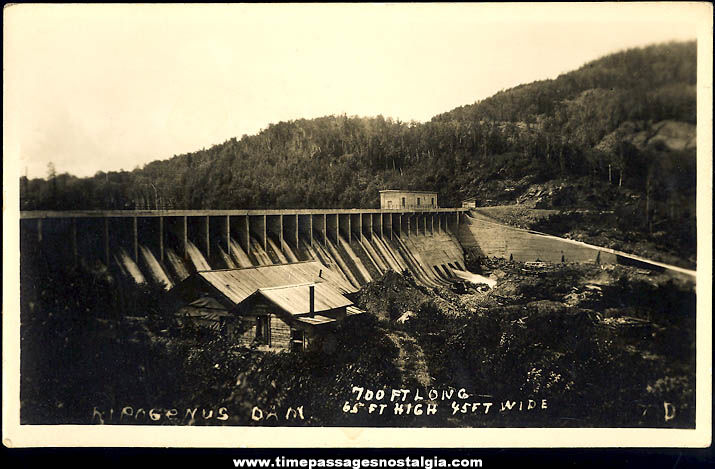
{"x": 238, "y": 284}
{"x": 470, "y": 199}
{"x": 316, "y": 320}
{"x": 295, "y": 299}
{"x": 206, "y": 303}
{"x": 351, "y": 310}
{"x": 206, "y": 308}
{"x": 408, "y": 191}
{"x": 285, "y": 285}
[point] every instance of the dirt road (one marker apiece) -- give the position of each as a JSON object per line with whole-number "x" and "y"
{"x": 410, "y": 361}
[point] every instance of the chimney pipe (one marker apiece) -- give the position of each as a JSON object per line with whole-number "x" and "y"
{"x": 311, "y": 290}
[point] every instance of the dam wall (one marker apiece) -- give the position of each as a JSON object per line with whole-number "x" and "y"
{"x": 165, "y": 247}
{"x": 493, "y": 239}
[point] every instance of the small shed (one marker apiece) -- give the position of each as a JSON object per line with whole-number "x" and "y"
{"x": 469, "y": 203}
{"x": 276, "y": 307}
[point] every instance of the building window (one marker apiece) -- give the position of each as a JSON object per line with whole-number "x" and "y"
{"x": 418, "y": 201}
{"x": 297, "y": 339}
{"x": 433, "y": 201}
{"x": 389, "y": 204}
{"x": 403, "y": 201}
{"x": 263, "y": 330}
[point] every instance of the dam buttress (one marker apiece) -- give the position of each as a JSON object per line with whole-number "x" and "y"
{"x": 165, "y": 247}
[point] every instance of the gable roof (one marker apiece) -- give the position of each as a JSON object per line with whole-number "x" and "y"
{"x": 295, "y": 299}
{"x": 206, "y": 302}
{"x": 235, "y": 285}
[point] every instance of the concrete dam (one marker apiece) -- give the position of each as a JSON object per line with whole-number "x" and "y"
{"x": 165, "y": 247}
{"x": 492, "y": 239}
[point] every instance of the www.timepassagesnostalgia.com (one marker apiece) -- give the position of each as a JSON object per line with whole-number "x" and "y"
{"x": 407, "y": 462}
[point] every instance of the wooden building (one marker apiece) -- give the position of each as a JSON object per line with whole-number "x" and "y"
{"x": 469, "y": 203}
{"x": 276, "y": 307}
{"x": 412, "y": 200}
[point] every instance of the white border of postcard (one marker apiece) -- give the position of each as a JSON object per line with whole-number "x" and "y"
{"x": 700, "y": 14}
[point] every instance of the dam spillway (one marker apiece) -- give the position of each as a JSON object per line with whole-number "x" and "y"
{"x": 164, "y": 247}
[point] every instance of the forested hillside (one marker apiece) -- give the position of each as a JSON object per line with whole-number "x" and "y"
{"x": 622, "y": 125}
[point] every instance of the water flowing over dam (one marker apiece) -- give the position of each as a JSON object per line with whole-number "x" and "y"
{"x": 165, "y": 247}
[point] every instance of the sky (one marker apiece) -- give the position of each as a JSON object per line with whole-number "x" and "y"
{"x": 112, "y": 87}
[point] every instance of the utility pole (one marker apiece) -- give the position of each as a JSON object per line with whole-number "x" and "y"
{"x": 156, "y": 197}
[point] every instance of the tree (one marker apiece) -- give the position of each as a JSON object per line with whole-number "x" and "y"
{"x": 51, "y": 172}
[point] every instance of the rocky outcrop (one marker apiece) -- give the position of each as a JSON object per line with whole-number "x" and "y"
{"x": 674, "y": 135}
